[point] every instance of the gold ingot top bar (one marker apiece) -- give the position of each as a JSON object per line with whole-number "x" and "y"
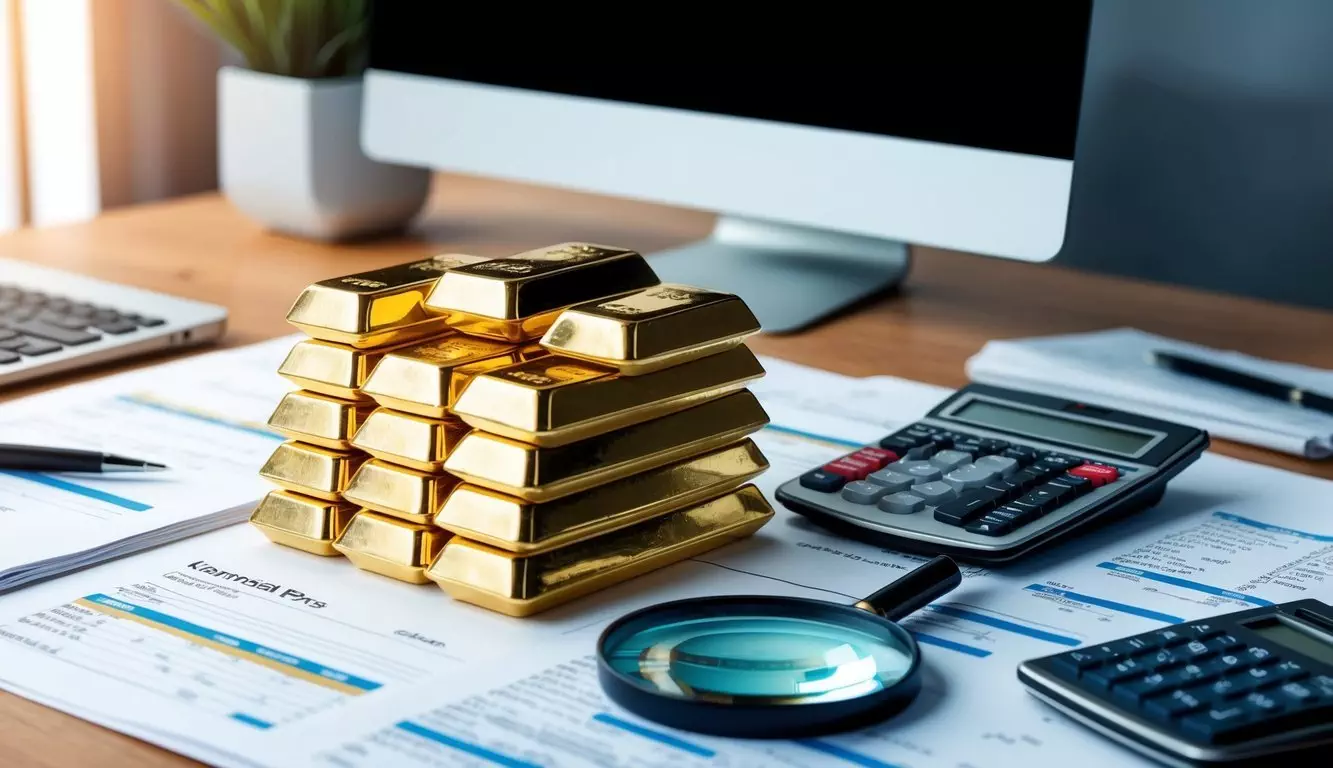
{"x": 514, "y": 525}
{"x": 391, "y": 547}
{"x": 412, "y": 441}
{"x": 517, "y": 298}
{"x": 418, "y": 379}
{"x": 328, "y": 368}
{"x": 556, "y": 400}
{"x": 311, "y": 470}
{"x": 301, "y": 522}
{"x": 520, "y": 585}
{"x": 382, "y": 306}
{"x": 652, "y": 329}
{"x": 539, "y": 474}
{"x": 313, "y": 418}
{"x": 398, "y": 491}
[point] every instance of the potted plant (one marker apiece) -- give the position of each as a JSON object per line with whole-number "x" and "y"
{"x": 289, "y": 122}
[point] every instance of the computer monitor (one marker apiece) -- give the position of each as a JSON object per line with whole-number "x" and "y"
{"x": 825, "y": 141}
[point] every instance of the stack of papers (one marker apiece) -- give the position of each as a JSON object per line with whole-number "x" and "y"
{"x": 204, "y": 417}
{"x": 1113, "y": 368}
{"x": 234, "y": 651}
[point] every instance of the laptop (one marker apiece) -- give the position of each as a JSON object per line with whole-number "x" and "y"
{"x": 53, "y": 321}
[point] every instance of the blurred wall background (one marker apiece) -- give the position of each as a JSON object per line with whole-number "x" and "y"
{"x": 102, "y": 103}
{"x": 1205, "y": 152}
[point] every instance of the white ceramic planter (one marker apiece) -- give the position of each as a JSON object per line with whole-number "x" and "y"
{"x": 289, "y": 156}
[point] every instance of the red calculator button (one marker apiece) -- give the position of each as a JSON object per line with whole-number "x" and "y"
{"x": 851, "y": 467}
{"x": 1097, "y": 474}
{"x": 881, "y": 457}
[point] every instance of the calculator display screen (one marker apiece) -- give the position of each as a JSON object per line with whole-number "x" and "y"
{"x": 1281, "y": 633}
{"x": 1051, "y": 426}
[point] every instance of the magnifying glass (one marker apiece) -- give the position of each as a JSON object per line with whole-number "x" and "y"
{"x": 771, "y": 667}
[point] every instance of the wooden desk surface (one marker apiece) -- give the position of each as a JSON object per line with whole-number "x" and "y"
{"x": 951, "y": 305}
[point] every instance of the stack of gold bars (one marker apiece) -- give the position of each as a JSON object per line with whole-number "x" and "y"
{"x": 548, "y": 424}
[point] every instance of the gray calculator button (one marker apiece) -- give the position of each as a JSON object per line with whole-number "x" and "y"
{"x": 902, "y": 503}
{"x": 893, "y": 481}
{"x": 971, "y": 476}
{"x": 948, "y": 460}
{"x": 907, "y": 465}
{"x": 935, "y": 493}
{"x": 863, "y": 492}
{"x": 926, "y": 473}
{"x": 1002, "y": 464}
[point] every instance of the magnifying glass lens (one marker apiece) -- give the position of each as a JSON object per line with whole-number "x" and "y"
{"x": 758, "y": 659}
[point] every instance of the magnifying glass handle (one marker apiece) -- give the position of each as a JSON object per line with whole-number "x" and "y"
{"x": 918, "y": 588}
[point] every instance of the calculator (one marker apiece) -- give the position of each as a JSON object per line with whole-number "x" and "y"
{"x": 991, "y": 474}
{"x": 1245, "y": 689}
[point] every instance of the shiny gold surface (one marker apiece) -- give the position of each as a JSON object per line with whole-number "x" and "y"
{"x": 337, "y": 370}
{"x": 539, "y": 474}
{"x": 391, "y": 547}
{"x": 326, "y": 421}
{"x": 398, "y": 491}
{"x": 463, "y": 374}
{"x": 514, "y": 525}
{"x": 418, "y": 378}
{"x": 517, "y": 298}
{"x": 652, "y": 329}
{"x": 557, "y": 400}
{"x": 311, "y": 470}
{"x": 382, "y": 306}
{"x": 412, "y": 441}
{"x": 301, "y": 522}
{"x": 520, "y": 585}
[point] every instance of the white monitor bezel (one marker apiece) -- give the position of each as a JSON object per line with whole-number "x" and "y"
{"x": 978, "y": 200}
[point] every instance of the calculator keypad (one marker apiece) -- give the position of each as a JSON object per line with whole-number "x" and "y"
{"x": 985, "y": 486}
{"x": 1202, "y": 682}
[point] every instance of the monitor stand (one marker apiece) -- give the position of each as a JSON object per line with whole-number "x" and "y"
{"x": 791, "y": 276}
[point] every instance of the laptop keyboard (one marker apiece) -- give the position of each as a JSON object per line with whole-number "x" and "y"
{"x": 34, "y": 323}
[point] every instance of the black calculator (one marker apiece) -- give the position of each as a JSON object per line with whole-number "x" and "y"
{"x": 1245, "y": 689}
{"x": 991, "y": 474}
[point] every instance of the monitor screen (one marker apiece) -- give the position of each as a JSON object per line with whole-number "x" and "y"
{"x": 1000, "y": 76}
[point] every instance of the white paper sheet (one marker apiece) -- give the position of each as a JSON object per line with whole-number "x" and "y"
{"x": 1112, "y": 368}
{"x": 204, "y": 417}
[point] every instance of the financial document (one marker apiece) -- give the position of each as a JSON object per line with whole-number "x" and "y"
{"x": 238, "y": 652}
{"x": 204, "y": 417}
{"x": 1229, "y": 536}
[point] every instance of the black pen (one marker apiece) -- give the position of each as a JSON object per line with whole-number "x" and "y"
{"x": 33, "y": 458}
{"x": 1218, "y": 374}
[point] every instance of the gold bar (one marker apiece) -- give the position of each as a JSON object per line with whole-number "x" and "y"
{"x": 538, "y": 474}
{"x": 463, "y": 374}
{"x": 517, "y": 298}
{"x": 514, "y": 525}
{"x": 557, "y": 400}
{"x": 311, "y": 470}
{"x": 419, "y": 378}
{"x": 391, "y": 547}
{"x": 519, "y": 585}
{"x": 313, "y": 418}
{"x": 412, "y": 441}
{"x": 331, "y": 369}
{"x": 398, "y": 491}
{"x": 301, "y": 522}
{"x": 371, "y": 309}
{"x": 652, "y": 329}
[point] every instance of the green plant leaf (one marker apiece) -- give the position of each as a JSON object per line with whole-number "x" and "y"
{"x": 298, "y": 38}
